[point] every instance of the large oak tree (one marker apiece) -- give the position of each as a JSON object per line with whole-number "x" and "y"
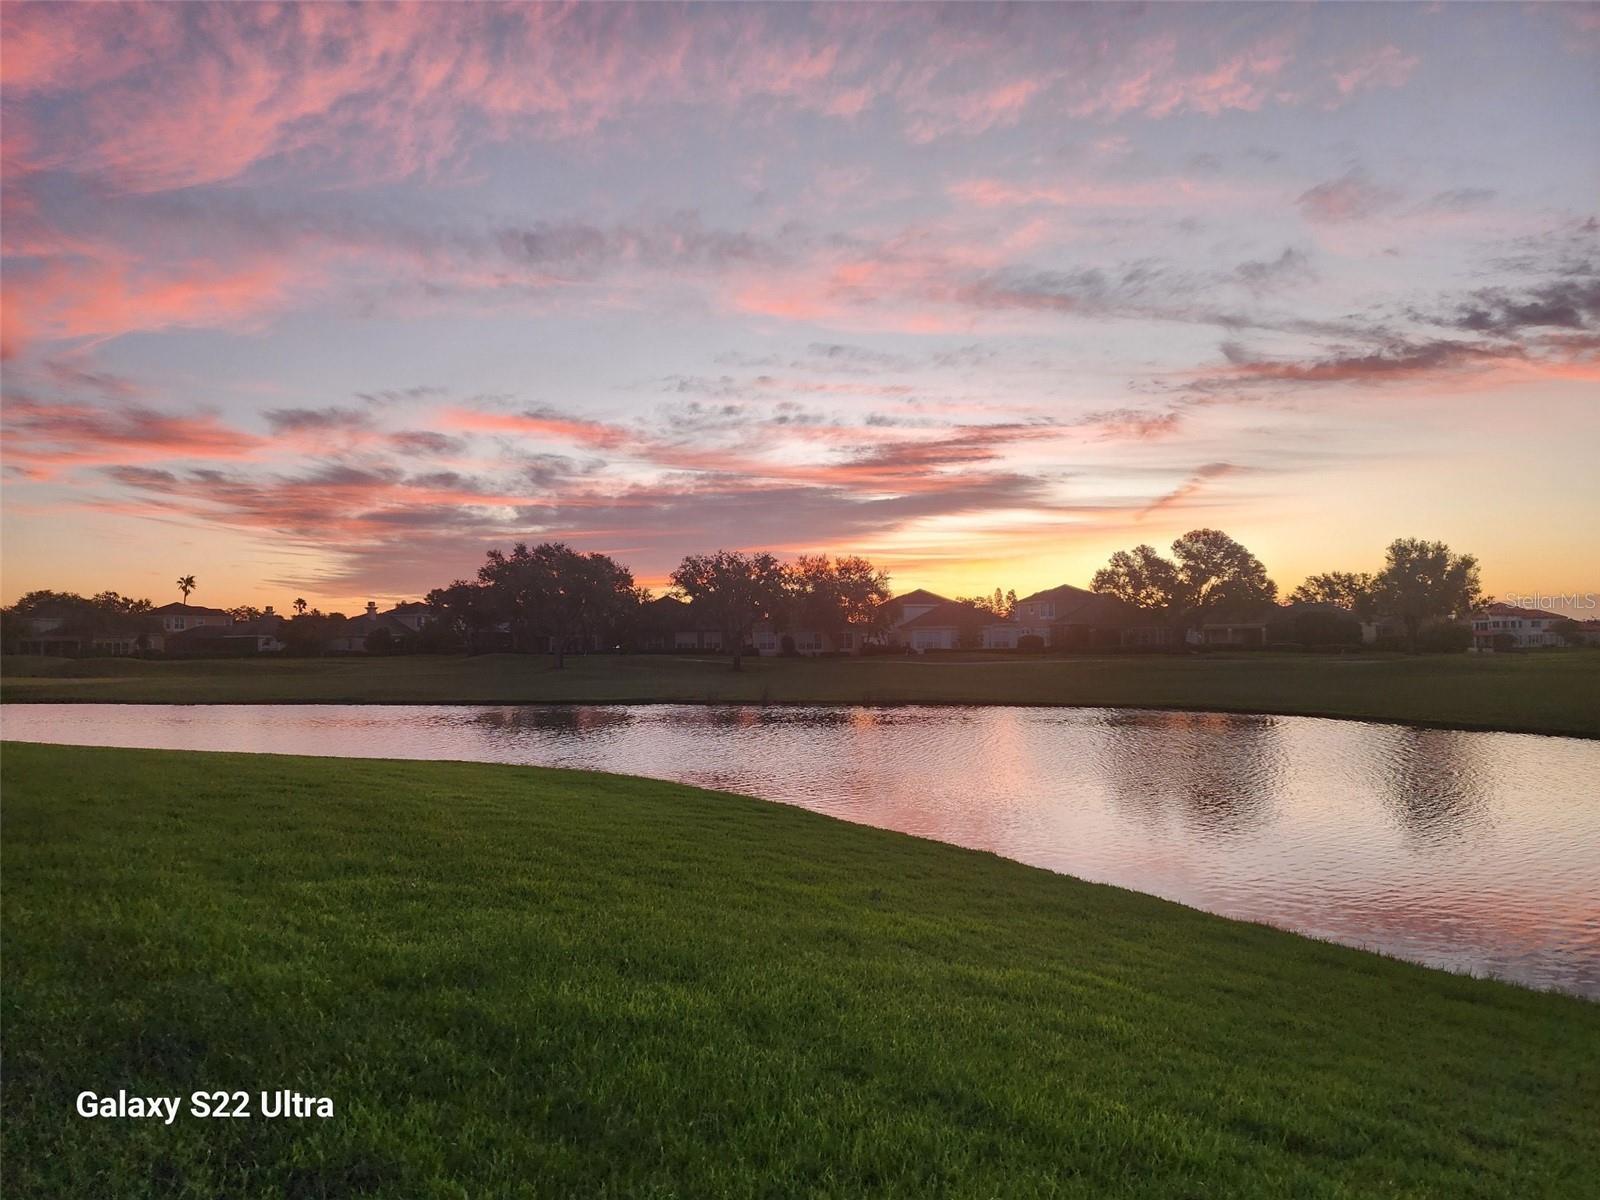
{"x": 1208, "y": 571}
{"x": 734, "y": 590}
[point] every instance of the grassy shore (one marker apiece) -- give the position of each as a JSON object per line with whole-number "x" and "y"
{"x": 516, "y": 982}
{"x": 1557, "y": 692}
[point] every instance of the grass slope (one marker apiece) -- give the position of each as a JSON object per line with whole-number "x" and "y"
{"x": 1556, "y": 692}
{"x": 531, "y": 983}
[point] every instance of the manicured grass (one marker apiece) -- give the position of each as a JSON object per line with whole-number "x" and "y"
{"x": 1555, "y": 692}
{"x": 517, "y": 982}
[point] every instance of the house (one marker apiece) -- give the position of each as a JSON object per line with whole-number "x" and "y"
{"x": 68, "y": 632}
{"x": 947, "y": 625}
{"x": 413, "y": 614}
{"x": 1382, "y": 629}
{"x": 175, "y": 617}
{"x": 125, "y": 640}
{"x": 768, "y": 639}
{"x": 1237, "y": 625}
{"x": 912, "y": 605}
{"x": 1314, "y": 623}
{"x": 1001, "y": 634}
{"x": 263, "y": 635}
{"x": 667, "y": 623}
{"x": 49, "y": 631}
{"x": 899, "y": 611}
{"x": 1074, "y": 618}
{"x": 351, "y": 637}
{"x": 1507, "y": 627}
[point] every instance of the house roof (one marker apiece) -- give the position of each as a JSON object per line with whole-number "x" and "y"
{"x": 366, "y": 623}
{"x": 176, "y": 609}
{"x": 951, "y": 614}
{"x": 1079, "y": 606}
{"x": 920, "y": 596}
{"x": 205, "y": 633}
{"x": 1511, "y": 610}
{"x": 410, "y": 606}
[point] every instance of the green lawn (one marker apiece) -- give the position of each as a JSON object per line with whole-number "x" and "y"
{"x": 1556, "y": 692}
{"x": 517, "y": 982}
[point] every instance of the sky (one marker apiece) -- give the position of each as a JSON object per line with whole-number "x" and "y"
{"x": 324, "y": 302}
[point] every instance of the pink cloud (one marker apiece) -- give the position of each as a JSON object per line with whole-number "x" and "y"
{"x": 1153, "y": 84}
{"x": 1170, "y": 192}
{"x": 43, "y": 438}
{"x": 1387, "y": 66}
{"x": 90, "y": 299}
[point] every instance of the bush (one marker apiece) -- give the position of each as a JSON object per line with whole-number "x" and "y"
{"x": 1030, "y": 643}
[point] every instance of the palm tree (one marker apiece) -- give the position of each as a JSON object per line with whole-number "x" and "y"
{"x": 299, "y": 607}
{"x": 186, "y": 585}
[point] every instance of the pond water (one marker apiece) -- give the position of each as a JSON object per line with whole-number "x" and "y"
{"x": 1475, "y": 852}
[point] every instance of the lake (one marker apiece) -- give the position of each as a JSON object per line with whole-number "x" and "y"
{"x": 1476, "y": 852}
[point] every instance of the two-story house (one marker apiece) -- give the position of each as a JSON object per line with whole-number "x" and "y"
{"x": 1507, "y": 627}
{"x": 175, "y": 617}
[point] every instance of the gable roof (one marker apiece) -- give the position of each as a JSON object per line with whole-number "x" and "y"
{"x": 952, "y": 614}
{"x": 177, "y": 609}
{"x": 1078, "y": 606}
{"x": 920, "y": 596}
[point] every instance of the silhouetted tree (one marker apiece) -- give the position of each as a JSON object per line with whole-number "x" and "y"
{"x": 465, "y": 609}
{"x": 553, "y": 591}
{"x": 299, "y": 606}
{"x": 1424, "y": 581}
{"x": 735, "y": 590}
{"x": 116, "y": 604}
{"x": 309, "y": 633}
{"x": 1347, "y": 589}
{"x": 1208, "y": 570}
{"x": 1000, "y": 604}
{"x": 1140, "y": 577}
{"x": 833, "y": 596}
{"x": 244, "y": 612}
{"x": 186, "y": 585}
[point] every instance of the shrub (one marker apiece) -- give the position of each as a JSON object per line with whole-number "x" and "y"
{"x": 1030, "y": 643}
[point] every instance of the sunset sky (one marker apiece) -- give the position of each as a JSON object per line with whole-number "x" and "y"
{"x": 324, "y": 301}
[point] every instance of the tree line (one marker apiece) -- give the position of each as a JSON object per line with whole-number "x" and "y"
{"x": 1419, "y": 582}
{"x": 551, "y": 597}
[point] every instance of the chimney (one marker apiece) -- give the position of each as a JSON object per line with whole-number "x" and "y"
{"x": 269, "y": 612}
{"x": 372, "y": 608}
